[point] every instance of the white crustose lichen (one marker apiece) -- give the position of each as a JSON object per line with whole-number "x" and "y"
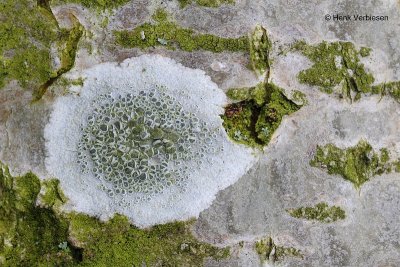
{"x": 143, "y": 138}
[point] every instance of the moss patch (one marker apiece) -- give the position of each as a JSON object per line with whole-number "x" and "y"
{"x": 320, "y": 212}
{"x": 269, "y": 251}
{"x": 51, "y": 195}
{"x": 68, "y": 46}
{"x": 117, "y": 243}
{"x": 205, "y": 3}
{"x": 32, "y": 235}
{"x": 168, "y": 34}
{"x": 365, "y": 51}
{"x": 335, "y": 64}
{"x": 254, "y": 119}
{"x": 260, "y": 46}
{"x": 390, "y": 88}
{"x": 94, "y": 4}
{"x": 356, "y": 164}
{"x": 28, "y": 31}
{"x": 299, "y": 98}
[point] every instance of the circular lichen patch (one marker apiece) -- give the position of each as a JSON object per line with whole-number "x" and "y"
{"x": 143, "y": 138}
{"x": 141, "y": 143}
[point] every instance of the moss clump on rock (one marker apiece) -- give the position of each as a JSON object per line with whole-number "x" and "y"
{"x": 34, "y": 232}
{"x": 28, "y": 32}
{"x": 68, "y": 46}
{"x": 299, "y": 98}
{"x": 356, "y": 164}
{"x": 260, "y": 46}
{"x": 168, "y": 34}
{"x": 30, "y": 235}
{"x": 95, "y": 4}
{"x": 320, "y": 212}
{"x": 51, "y": 195}
{"x": 117, "y": 243}
{"x": 390, "y": 88}
{"x": 205, "y": 3}
{"x": 254, "y": 119}
{"x": 365, "y": 51}
{"x": 338, "y": 64}
{"x": 269, "y": 251}
{"x": 335, "y": 64}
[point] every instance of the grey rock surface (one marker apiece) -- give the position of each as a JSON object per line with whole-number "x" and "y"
{"x": 282, "y": 178}
{"x": 255, "y": 206}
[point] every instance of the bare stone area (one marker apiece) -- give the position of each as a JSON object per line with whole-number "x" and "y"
{"x": 282, "y": 178}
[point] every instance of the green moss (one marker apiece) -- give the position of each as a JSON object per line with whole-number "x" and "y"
{"x": 94, "y": 4}
{"x": 205, "y": 3}
{"x": 335, "y": 64}
{"x": 27, "y": 33}
{"x": 254, "y": 120}
{"x": 365, "y": 51}
{"x": 52, "y": 196}
{"x": 396, "y": 166}
{"x": 260, "y": 46}
{"x": 117, "y": 243}
{"x": 390, "y": 88}
{"x": 32, "y": 235}
{"x": 268, "y": 251}
{"x": 356, "y": 164}
{"x": 239, "y": 123}
{"x": 184, "y": 3}
{"x": 169, "y": 34}
{"x": 68, "y": 46}
{"x": 320, "y": 212}
{"x": 239, "y": 94}
{"x": 384, "y": 155}
{"x": 68, "y": 53}
{"x": 66, "y": 82}
{"x": 276, "y": 106}
{"x": 63, "y": 85}
{"x": 299, "y": 98}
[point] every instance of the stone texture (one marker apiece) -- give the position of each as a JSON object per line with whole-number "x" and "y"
{"x": 282, "y": 178}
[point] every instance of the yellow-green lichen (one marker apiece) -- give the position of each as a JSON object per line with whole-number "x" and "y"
{"x": 34, "y": 232}
{"x": 28, "y": 32}
{"x": 320, "y": 212}
{"x": 335, "y": 64}
{"x": 205, "y": 3}
{"x": 260, "y": 45}
{"x": 168, "y": 34}
{"x": 254, "y": 120}
{"x": 356, "y": 164}
{"x": 269, "y": 251}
